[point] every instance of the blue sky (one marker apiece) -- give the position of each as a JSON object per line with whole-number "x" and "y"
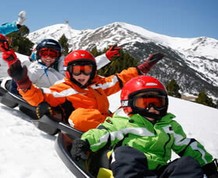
{"x": 177, "y": 18}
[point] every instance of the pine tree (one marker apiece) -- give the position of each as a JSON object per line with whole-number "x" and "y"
{"x": 19, "y": 42}
{"x": 95, "y": 52}
{"x": 64, "y": 43}
{"x": 204, "y": 99}
{"x": 173, "y": 88}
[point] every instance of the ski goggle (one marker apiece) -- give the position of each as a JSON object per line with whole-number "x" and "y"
{"x": 79, "y": 69}
{"x": 148, "y": 100}
{"x": 47, "y": 52}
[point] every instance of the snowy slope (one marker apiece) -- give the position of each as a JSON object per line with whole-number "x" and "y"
{"x": 26, "y": 152}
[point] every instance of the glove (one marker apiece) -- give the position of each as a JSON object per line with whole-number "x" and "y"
{"x": 9, "y": 56}
{"x": 113, "y": 52}
{"x": 79, "y": 149}
{"x": 21, "y": 18}
{"x": 210, "y": 169}
{"x": 150, "y": 62}
{"x": 55, "y": 113}
{"x": 43, "y": 109}
{"x": 19, "y": 74}
{"x": 4, "y": 46}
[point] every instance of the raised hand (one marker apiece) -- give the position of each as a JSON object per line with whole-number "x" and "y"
{"x": 19, "y": 73}
{"x": 4, "y": 46}
{"x": 113, "y": 52}
{"x": 8, "y": 55}
{"x": 150, "y": 62}
{"x": 21, "y": 17}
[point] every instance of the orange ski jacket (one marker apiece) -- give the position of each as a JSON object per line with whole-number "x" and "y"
{"x": 91, "y": 105}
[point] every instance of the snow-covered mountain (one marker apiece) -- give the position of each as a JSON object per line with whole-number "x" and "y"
{"x": 192, "y": 62}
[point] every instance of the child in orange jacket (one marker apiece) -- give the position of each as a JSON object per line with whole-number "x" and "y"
{"x": 82, "y": 87}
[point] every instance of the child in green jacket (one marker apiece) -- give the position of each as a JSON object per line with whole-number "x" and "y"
{"x": 142, "y": 141}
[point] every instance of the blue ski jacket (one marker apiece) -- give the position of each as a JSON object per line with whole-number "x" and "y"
{"x": 7, "y": 28}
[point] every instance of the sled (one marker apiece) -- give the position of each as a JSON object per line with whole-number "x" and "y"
{"x": 48, "y": 125}
{"x": 5, "y": 96}
{"x": 96, "y": 166}
{"x": 45, "y": 123}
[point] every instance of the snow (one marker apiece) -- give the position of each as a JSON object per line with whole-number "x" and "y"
{"x": 55, "y": 32}
{"x": 27, "y": 152}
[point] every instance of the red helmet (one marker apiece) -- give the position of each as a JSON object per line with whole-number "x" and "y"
{"x": 79, "y": 57}
{"x": 145, "y": 87}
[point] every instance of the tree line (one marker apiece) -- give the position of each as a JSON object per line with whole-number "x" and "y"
{"x": 202, "y": 98}
{"x": 21, "y": 44}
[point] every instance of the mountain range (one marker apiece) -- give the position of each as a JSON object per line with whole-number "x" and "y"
{"x": 192, "y": 62}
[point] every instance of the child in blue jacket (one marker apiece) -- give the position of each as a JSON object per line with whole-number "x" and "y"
{"x": 9, "y": 27}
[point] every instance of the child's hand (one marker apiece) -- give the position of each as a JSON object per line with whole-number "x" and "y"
{"x": 113, "y": 52}
{"x": 21, "y": 17}
{"x": 9, "y": 56}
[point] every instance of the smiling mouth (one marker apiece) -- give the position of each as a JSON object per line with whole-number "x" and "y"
{"x": 81, "y": 80}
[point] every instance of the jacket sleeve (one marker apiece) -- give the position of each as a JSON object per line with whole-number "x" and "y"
{"x": 97, "y": 138}
{"x": 34, "y": 96}
{"x": 109, "y": 131}
{"x": 101, "y": 61}
{"x": 184, "y": 146}
{"x": 8, "y": 28}
{"x": 114, "y": 83}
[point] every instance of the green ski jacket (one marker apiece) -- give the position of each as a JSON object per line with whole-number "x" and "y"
{"x": 156, "y": 141}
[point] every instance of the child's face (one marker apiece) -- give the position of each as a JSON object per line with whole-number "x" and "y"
{"x": 81, "y": 73}
{"x": 48, "y": 61}
{"x": 48, "y": 56}
{"x": 82, "y": 79}
{"x": 152, "y": 110}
